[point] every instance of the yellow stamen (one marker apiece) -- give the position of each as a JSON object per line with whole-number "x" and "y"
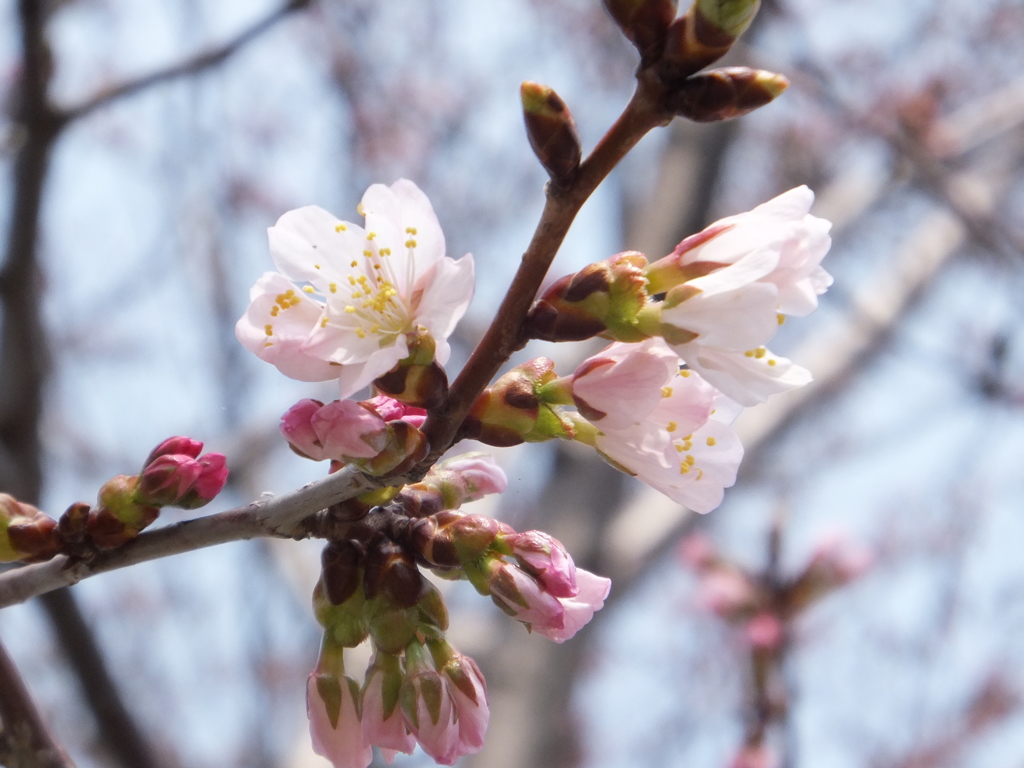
{"x": 711, "y": 441}
{"x": 781, "y": 318}
{"x": 671, "y": 426}
{"x": 666, "y": 391}
{"x": 269, "y": 330}
{"x": 772, "y": 362}
{"x": 340, "y": 227}
{"x": 308, "y": 289}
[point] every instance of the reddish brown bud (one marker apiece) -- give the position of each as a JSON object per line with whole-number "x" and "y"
{"x": 725, "y": 93}
{"x": 423, "y": 386}
{"x": 71, "y": 527}
{"x": 35, "y": 538}
{"x": 392, "y": 572}
{"x": 704, "y": 35}
{"x": 431, "y": 538}
{"x": 644, "y": 22}
{"x": 340, "y": 564}
{"x": 551, "y": 130}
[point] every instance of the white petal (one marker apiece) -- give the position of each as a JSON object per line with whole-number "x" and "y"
{"x": 309, "y": 236}
{"x": 352, "y": 378}
{"x": 747, "y": 380}
{"x": 740, "y": 319}
{"x": 447, "y": 291}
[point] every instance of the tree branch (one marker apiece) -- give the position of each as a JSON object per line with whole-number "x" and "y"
{"x": 277, "y": 516}
{"x": 25, "y": 740}
{"x": 198, "y": 63}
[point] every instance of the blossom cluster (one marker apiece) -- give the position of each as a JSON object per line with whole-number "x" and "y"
{"x": 374, "y": 306}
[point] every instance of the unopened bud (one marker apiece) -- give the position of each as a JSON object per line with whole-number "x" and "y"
{"x": 392, "y": 572}
{"x": 390, "y": 409}
{"x": 405, "y": 447}
{"x": 297, "y": 428}
{"x": 184, "y": 446}
{"x": 458, "y": 480}
{"x": 510, "y": 411}
{"x": 119, "y": 516}
{"x": 341, "y": 570}
{"x": 551, "y": 130}
{"x": 602, "y": 298}
{"x": 725, "y": 93}
{"x": 432, "y": 608}
{"x": 26, "y": 534}
{"x": 704, "y": 34}
{"x": 423, "y": 386}
{"x": 431, "y": 537}
{"x": 212, "y": 477}
{"x": 72, "y": 528}
{"x": 644, "y": 22}
{"x": 166, "y": 480}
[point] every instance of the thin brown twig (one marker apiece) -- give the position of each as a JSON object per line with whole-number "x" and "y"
{"x": 191, "y": 66}
{"x": 25, "y": 741}
{"x": 278, "y": 516}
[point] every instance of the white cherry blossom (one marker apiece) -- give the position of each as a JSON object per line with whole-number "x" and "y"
{"x": 347, "y": 300}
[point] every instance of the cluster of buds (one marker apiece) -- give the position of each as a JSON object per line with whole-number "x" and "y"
{"x": 173, "y": 475}
{"x": 676, "y": 49}
{"x": 378, "y": 435}
{"x": 418, "y": 689}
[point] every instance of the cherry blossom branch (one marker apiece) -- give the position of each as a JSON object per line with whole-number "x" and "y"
{"x": 278, "y": 516}
{"x": 25, "y": 739}
{"x": 201, "y": 61}
{"x": 643, "y": 112}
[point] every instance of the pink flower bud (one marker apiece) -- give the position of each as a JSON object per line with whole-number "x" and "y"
{"x": 697, "y": 551}
{"x": 390, "y": 409}
{"x": 184, "y": 446}
{"x": 349, "y": 430}
{"x": 479, "y": 474}
{"x": 297, "y": 428}
{"x": 727, "y": 592}
{"x": 212, "y": 477}
{"x": 383, "y": 723}
{"x": 166, "y": 479}
{"x": 754, "y": 756}
{"x": 468, "y": 690}
{"x": 428, "y": 708}
{"x": 545, "y": 558}
{"x": 522, "y": 597}
{"x": 579, "y": 609}
{"x": 334, "y": 726}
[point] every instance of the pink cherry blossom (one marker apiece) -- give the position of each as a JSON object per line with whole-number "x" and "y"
{"x": 213, "y": 475}
{"x": 547, "y": 560}
{"x": 390, "y": 409}
{"x": 297, "y": 428}
{"x": 340, "y": 430}
{"x": 579, "y": 609}
{"x": 347, "y": 300}
{"x": 336, "y": 735}
{"x": 524, "y": 598}
{"x": 680, "y": 448}
{"x": 619, "y": 386}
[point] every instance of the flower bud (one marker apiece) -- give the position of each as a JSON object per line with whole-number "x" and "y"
{"x": 184, "y": 446}
{"x": 332, "y": 704}
{"x": 546, "y": 559}
{"x": 213, "y": 475}
{"x": 392, "y": 572}
{"x": 432, "y": 609}
{"x": 432, "y": 539}
{"x": 349, "y": 430}
{"x": 704, "y": 34}
{"x": 166, "y": 480}
{"x": 601, "y": 298}
{"x": 453, "y": 482}
{"x": 422, "y": 386}
{"x": 297, "y": 428}
{"x": 551, "y": 130}
{"x": 119, "y": 516}
{"x": 390, "y": 409}
{"x": 392, "y": 627}
{"x": 404, "y": 448}
{"x": 722, "y": 94}
{"x": 382, "y": 722}
{"x": 764, "y": 632}
{"x": 644, "y": 23}
{"x": 510, "y": 411}
{"x": 468, "y": 690}
{"x": 428, "y": 707}
{"x": 26, "y": 534}
{"x": 72, "y": 529}
{"x": 341, "y": 570}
